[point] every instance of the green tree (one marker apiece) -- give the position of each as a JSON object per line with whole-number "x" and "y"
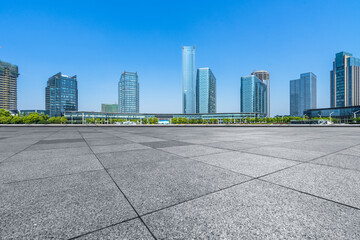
{"x": 32, "y": 118}
{"x": 4, "y": 113}
{"x": 5, "y": 120}
{"x": 63, "y": 119}
{"x": 16, "y": 120}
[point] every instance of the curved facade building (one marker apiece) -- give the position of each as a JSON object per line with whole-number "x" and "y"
{"x": 61, "y": 95}
{"x": 188, "y": 79}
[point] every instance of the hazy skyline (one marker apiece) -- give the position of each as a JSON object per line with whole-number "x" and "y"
{"x": 97, "y": 41}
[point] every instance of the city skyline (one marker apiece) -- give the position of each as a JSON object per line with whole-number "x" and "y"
{"x": 117, "y": 43}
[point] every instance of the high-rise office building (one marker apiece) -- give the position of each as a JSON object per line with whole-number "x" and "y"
{"x": 302, "y": 94}
{"x": 265, "y": 77}
{"x": 109, "y": 108}
{"x": 8, "y": 86}
{"x": 253, "y": 95}
{"x": 128, "y": 93}
{"x": 345, "y": 81}
{"x": 205, "y": 91}
{"x": 61, "y": 94}
{"x": 188, "y": 79}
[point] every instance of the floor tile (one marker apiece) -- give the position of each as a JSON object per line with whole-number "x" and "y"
{"x": 246, "y": 163}
{"x": 133, "y": 229}
{"x": 61, "y": 207}
{"x": 256, "y": 210}
{"x": 332, "y": 183}
{"x": 124, "y": 158}
{"x": 193, "y": 150}
{"x": 157, "y": 185}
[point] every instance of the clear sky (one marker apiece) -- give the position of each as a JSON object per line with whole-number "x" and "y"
{"x": 98, "y": 40}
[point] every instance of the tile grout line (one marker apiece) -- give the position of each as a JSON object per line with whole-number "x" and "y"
{"x": 102, "y": 228}
{"x": 310, "y": 194}
{"x": 47, "y": 177}
{"x": 30, "y": 146}
{"x": 310, "y": 161}
{"x": 106, "y": 170}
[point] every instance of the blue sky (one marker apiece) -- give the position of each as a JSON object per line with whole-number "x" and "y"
{"x": 98, "y": 40}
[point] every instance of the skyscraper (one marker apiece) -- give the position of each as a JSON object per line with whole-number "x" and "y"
{"x": 128, "y": 93}
{"x": 61, "y": 94}
{"x": 205, "y": 91}
{"x": 253, "y": 95}
{"x": 188, "y": 79}
{"x": 8, "y": 86}
{"x": 302, "y": 94}
{"x": 345, "y": 81}
{"x": 265, "y": 77}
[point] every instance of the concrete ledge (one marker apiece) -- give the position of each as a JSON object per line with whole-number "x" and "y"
{"x": 179, "y": 125}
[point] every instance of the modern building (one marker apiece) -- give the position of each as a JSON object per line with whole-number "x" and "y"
{"x": 265, "y": 77}
{"x": 8, "y": 86}
{"x": 27, "y": 112}
{"x": 188, "y": 79}
{"x": 82, "y": 116}
{"x": 205, "y": 91}
{"x": 128, "y": 93}
{"x": 345, "y": 114}
{"x": 61, "y": 95}
{"x": 253, "y": 95}
{"x": 302, "y": 94}
{"x": 109, "y": 108}
{"x": 345, "y": 81}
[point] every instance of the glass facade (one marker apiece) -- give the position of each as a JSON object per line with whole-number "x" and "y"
{"x": 253, "y": 95}
{"x": 8, "y": 86}
{"x": 78, "y": 116}
{"x": 302, "y": 94}
{"x": 128, "y": 93}
{"x": 345, "y": 81}
{"x": 109, "y": 108}
{"x": 205, "y": 91}
{"x": 340, "y": 112}
{"x": 265, "y": 77}
{"x": 61, "y": 95}
{"x": 188, "y": 79}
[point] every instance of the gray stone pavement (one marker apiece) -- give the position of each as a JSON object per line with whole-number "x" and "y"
{"x": 179, "y": 183}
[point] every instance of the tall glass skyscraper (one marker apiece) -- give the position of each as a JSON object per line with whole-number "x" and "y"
{"x": 61, "y": 95}
{"x": 205, "y": 91}
{"x": 8, "y": 86}
{"x": 253, "y": 95}
{"x": 188, "y": 79}
{"x": 265, "y": 77}
{"x": 128, "y": 93}
{"x": 302, "y": 94}
{"x": 345, "y": 81}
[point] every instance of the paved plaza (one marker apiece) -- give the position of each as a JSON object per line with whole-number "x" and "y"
{"x": 179, "y": 183}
